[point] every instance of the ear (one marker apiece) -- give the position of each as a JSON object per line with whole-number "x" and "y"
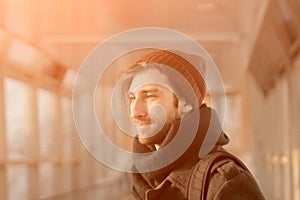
{"x": 184, "y": 108}
{"x": 178, "y": 113}
{"x": 176, "y": 104}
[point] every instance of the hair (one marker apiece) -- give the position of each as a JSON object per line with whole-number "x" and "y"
{"x": 178, "y": 63}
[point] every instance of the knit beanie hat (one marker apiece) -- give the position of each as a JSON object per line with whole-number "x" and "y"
{"x": 181, "y": 62}
{"x": 184, "y": 74}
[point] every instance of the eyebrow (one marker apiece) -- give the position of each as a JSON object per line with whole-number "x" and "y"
{"x": 146, "y": 91}
{"x": 149, "y": 90}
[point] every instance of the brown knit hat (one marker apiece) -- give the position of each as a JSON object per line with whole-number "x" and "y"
{"x": 180, "y": 64}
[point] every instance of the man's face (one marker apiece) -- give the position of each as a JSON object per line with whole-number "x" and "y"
{"x": 152, "y": 108}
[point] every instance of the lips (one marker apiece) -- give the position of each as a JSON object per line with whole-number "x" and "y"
{"x": 141, "y": 122}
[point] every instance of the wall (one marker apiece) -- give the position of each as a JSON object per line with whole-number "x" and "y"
{"x": 275, "y": 135}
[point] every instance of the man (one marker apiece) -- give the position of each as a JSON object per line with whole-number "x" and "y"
{"x": 164, "y": 93}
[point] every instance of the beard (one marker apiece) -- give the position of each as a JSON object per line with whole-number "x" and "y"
{"x": 154, "y": 132}
{"x": 150, "y": 135}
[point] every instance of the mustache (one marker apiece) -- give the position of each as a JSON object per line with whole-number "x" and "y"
{"x": 141, "y": 121}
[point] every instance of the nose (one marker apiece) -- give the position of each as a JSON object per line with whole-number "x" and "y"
{"x": 138, "y": 109}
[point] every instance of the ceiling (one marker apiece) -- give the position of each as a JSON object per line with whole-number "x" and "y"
{"x": 67, "y": 30}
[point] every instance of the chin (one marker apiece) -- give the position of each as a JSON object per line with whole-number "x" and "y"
{"x": 156, "y": 138}
{"x": 146, "y": 141}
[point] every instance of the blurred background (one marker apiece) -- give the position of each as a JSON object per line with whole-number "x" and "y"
{"x": 255, "y": 44}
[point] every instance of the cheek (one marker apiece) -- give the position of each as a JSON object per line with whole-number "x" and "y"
{"x": 172, "y": 108}
{"x": 172, "y": 113}
{"x": 130, "y": 107}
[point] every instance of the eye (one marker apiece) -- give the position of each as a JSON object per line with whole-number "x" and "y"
{"x": 131, "y": 98}
{"x": 151, "y": 96}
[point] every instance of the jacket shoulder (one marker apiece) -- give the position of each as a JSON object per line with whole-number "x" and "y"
{"x": 221, "y": 175}
{"x": 229, "y": 180}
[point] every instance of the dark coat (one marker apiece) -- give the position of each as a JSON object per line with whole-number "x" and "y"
{"x": 226, "y": 179}
{"x": 193, "y": 178}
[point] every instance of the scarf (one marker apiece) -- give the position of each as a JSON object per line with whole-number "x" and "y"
{"x": 178, "y": 172}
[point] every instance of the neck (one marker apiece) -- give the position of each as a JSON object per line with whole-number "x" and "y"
{"x": 157, "y": 146}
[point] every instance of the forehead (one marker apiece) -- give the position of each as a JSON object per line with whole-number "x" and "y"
{"x": 152, "y": 87}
